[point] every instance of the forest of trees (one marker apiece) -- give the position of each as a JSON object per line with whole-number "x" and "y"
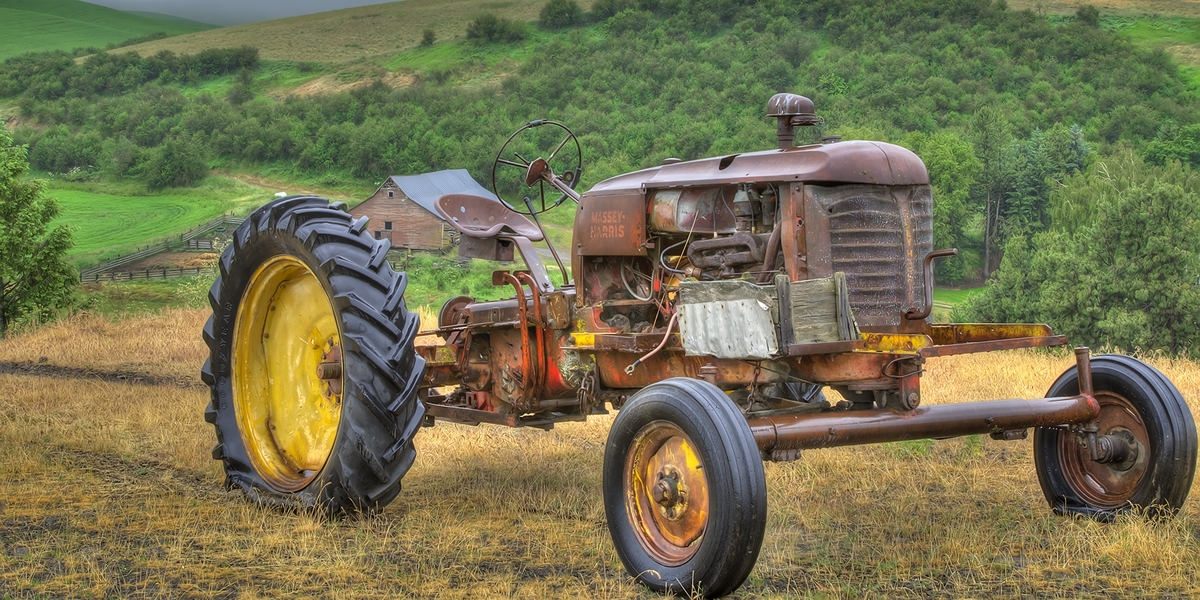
{"x": 1006, "y": 107}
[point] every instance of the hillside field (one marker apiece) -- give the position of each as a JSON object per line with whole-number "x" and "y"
{"x": 110, "y": 222}
{"x": 344, "y": 35}
{"x": 39, "y": 25}
{"x": 107, "y": 489}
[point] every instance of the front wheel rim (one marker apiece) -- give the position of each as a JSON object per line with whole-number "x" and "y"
{"x": 666, "y": 493}
{"x": 287, "y": 373}
{"x": 1103, "y": 485}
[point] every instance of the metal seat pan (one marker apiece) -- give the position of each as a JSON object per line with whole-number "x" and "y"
{"x": 480, "y": 217}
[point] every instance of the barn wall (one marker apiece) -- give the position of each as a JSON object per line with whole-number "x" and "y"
{"x": 412, "y": 226}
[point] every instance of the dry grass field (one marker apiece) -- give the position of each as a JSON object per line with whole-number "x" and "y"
{"x": 107, "y": 490}
{"x": 1166, "y": 8}
{"x": 344, "y": 35}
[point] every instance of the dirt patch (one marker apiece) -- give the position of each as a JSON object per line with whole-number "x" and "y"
{"x": 333, "y": 84}
{"x": 60, "y": 372}
{"x": 180, "y": 260}
{"x": 1186, "y": 54}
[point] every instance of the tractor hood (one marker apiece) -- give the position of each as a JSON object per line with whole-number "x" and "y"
{"x": 875, "y": 163}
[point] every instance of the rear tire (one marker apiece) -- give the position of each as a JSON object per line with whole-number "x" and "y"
{"x": 285, "y": 435}
{"x": 684, "y": 489}
{"x": 1140, "y": 403}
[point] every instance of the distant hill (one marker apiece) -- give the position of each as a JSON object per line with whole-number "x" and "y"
{"x": 344, "y": 35}
{"x": 171, "y": 19}
{"x": 39, "y": 25}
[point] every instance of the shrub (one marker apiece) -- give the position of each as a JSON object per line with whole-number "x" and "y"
{"x": 490, "y": 28}
{"x": 428, "y": 37}
{"x": 557, "y": 14}
{"x": 177, "y": 163}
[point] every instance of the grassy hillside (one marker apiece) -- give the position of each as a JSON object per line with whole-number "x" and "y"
{"x": 344, "y": 35}
{"x": 39, "y": 25}
{"x": 170, "y": 19}
{"x": 110, "y": 222}
{"x": 637, "y": 85}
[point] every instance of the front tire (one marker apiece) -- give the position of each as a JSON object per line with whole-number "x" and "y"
{"x": 684, "y": 489}
{"x": 1139, "y": 408}
{"x": 312, "y": 370}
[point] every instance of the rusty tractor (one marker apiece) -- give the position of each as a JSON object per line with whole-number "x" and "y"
{"x": 715, "y": 303}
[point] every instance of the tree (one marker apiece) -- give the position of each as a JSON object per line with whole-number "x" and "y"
{"x": 1125, "y": 273}
{"x": 35, "y": 277}
{"x": 557, "y": 14}
{"x": 994, "y": 146}
{"x": 953, "y": 169}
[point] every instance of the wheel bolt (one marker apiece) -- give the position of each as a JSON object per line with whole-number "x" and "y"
{"x": 666, "y": 491}
{"x": 329, "y": 370}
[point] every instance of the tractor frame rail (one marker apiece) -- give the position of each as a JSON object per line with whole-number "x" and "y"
{"x": 778, "y": 435}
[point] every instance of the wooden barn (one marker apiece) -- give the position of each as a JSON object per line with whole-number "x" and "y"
{"x": 401, "y": 210}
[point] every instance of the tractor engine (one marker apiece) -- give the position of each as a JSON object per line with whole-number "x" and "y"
{"x": 761, "y": 251}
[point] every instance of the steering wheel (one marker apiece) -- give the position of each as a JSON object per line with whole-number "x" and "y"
{"x": 566, "y": 165}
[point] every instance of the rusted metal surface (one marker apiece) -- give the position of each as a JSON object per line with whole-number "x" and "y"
{"x": 484, "y": 218}
{"x": 994, "y": 345}
{"x": 927, "y": 270}
{"x": 790, "y": 111}
{"x": 612, "y": 225}
{"x": 962, "y": 333}
{"x": 826, "y": 430}
{"x": 878, "y": 236}
{"x": 873, "y": 163}
{"x": 693, "y": 210}
{"x": 823, "y": 430}
{"x": 863, "y": 209}
{"x": 826, "y": 348}
{"x": 667, "y": 495}
{"x": 896, "y": 343}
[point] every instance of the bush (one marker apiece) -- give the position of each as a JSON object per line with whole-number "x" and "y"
{"x": 177, "y": 163}
{"x": 557, "y": 14}
{"x": 428, "y": 37}
{"x": 490, "y": 28}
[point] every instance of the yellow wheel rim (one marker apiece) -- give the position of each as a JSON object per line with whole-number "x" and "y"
{"x": 666, "y": 493}
{"x": 287, "y": 382}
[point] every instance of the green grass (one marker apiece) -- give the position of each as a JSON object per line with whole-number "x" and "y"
{"x": 40, "y": 25}
{"x": 948, "y": 296}
{"x": 128, "y": 298}
{"x": 1178, "y": 36}
{"x": 111, "y": 220}
{"x": 433, "y": 278}
{"x": 171, "y": 19}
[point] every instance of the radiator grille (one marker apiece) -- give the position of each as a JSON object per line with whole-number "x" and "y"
{"x": 878, "y": 237}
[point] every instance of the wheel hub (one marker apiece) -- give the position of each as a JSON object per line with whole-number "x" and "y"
{"x": 667, "y": 499}
{"x": 670, "y": 493}
{"x": 1105, "y": 462}
{"x": 1118, "y": 449}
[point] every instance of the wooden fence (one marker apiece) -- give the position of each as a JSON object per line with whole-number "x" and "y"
{"x": 162, "y": 273}
{"x": 121, "y": 261}
{"x": 188, "y": 240}
{"x": 202, "y": 244}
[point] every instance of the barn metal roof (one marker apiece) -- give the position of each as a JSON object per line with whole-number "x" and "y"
{"x": 426, "y": 188}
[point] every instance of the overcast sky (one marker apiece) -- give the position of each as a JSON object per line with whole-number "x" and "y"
{"x": 232, "y": 12}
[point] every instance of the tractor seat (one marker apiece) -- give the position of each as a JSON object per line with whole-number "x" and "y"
{"x": 479, "y": 217}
